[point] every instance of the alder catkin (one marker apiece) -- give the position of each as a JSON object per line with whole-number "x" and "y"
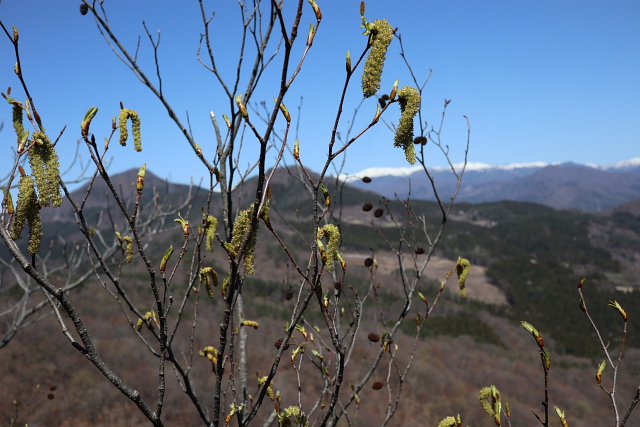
{"x": 409, "y": 99}
{"x": 45, "y": 167}
{"x": 332, "y": 233}
{"x": 16, "y": 108}
{"x": 381, "y": 37}
{"x": 211, "y": 228}
{"x": 240, "y": 229}
{"x": 126, "y": 114}
{"x": 28, "y": 211}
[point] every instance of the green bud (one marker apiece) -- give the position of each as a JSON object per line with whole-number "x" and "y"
{"x": 601, "y": 368}
{"x": 284, "y": 110}
{"x": 561, "y": 416}
{"x": 227, "y": 121}
{"x": 141, "y": 174}
{"x": 394, "y": 91}
{"x": 311, "y": 35}
{"x": 243, "y": 108}
{"x": 618, "y": 307}
{"x": 546, "y": 357}
{"x": 316, "y": 10}
{"x": 296, "y": 150}
{"x": 325, "y": 193}
{"x": 8, "y": 201}
{"x": 581, "y": 283}
{"x": 186, "y": 228}
{"x": 84, "y": 126}
{"x": 165, "y": 258}
{"x": 22, "y": 143}
{"x": 423, "y": 298}
{"x": 534, "y": 332}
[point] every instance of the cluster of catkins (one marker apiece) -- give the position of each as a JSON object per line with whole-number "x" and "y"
{"x": 381, "y": 34}
{"x": 38, "y": 190}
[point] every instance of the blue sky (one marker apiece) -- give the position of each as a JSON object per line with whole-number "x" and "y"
{"x": 540, "y": 80}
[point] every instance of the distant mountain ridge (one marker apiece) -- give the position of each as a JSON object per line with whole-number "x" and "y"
{"x": 559, "y": 185}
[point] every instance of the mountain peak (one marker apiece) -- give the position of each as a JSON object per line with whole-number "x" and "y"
{"x": 559, "y": 185}
{"x": 376, "y": 172}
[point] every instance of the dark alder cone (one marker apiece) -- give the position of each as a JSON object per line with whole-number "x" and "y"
{"x": 378, "y": 212}
{"x": 288, "y": 296}
{"x": 278, "y": 344}
{"x": 367, "y": 207}
{"x": 377, "y": 385}
{"x": 84, "y": 9}
{"x": 420, "y": 140}
{"x": 366, "y": 179}
{"x": 373, "y": 337}
{"x": 50, "y": 396}
{"x": 368, "y": 262}
{"x": 419, "y": 250}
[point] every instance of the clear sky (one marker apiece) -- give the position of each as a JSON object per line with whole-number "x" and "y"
{"x": 540, "y": 80}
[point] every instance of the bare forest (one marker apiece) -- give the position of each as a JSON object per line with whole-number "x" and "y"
{"x": 272, "y": 293}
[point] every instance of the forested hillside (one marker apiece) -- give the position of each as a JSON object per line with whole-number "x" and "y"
{"x": 531, "y": 255}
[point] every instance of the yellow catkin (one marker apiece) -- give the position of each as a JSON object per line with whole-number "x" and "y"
{"x": 292, "y": 417}
{"x": 381, "y": 37}
{"x": 17, "y": 108}
{"x": 409, "y": 99}
{"x": 26, "y": 193}
{"x": 448, "y": 422}
{"x": 126, "y": 114}
{"x": 270, "y": 390}
{"x": 463, "y": 267}
{"x": 240, "y": 229}
{"x": 489, "y": 398}
{"x": 210, "y": 278}
{"x": 332, "y": 233}
{"x": 484, "y": 398}
{"x": 129, "y": 247}
{"x": 45, "y": 166}
{"x": 28, "y": 211}
{"x": 210, "y": 353}
{"x": 251, "y": 323}
{"x": 211, "y": 227}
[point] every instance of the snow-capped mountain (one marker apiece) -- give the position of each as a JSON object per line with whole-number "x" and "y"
{"x": 560, "y": 185}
